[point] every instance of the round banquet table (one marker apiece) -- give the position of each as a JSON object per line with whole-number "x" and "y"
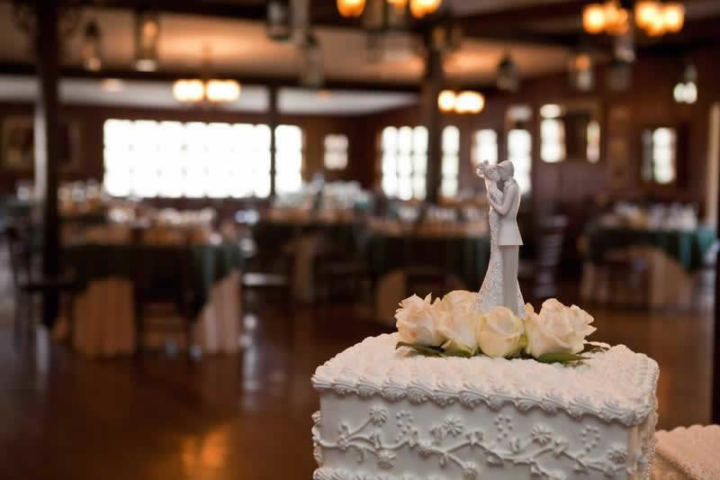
{"x": 387, "y": 255}
{"x": 464, "y": 256}
{"x": 673, "y": 255}
{"x": 104, "y": 323}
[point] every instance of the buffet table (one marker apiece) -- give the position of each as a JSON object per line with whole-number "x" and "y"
{"x": 104, "y": 323}
{"x": 672, "y": 255}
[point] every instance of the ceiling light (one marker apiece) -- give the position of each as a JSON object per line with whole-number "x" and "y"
{"x": 112, "y": 85}
{"x": 658, "y": 18}
{"x": 189, "y": 90}
{"x": 222, "y": 91}
{"x": 90, "y": 52}
{"x": 608, "y": 17}
{"x": 147, "y": 35}
{"x": 674, "y": 17}
{"x": 420, "y": 8}
{"x": 581, "y": 72}
{"x": 278, "y": 20}
{"x": 446, "y": 101}
{"x": 686, "y": 89}
{"x": 351, "y": 8}
{"x": 324, "y": 94}
{"x": 550, "y": 110}
{"x": 469, "y": 102}
{"x": 645, "y": 12}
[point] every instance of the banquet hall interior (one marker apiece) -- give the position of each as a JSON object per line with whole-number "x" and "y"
{"x": 203, "y": 200}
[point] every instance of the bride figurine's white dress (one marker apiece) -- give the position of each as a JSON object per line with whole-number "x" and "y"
{"x": 491, "y": 292}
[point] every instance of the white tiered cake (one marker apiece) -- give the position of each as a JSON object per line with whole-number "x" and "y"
{"x": 391, "y": 415}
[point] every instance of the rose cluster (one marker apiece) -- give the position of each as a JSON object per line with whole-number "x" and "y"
{"x": 458, "y": 327}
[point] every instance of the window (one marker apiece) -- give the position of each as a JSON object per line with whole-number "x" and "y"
{"x": 404, "y": 162}
{"x": 450, "y": 161}
{"x": 485, "y": 147}
{"x": 336, "y": 152}
{"x": 659, "y": 155}
{"x": 552, "y": 140}
{"x": 173, "y": 159}
{"x": 520, "y": 154}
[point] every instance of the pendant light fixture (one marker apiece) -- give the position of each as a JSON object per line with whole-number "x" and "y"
{"x": 685, "y": 90}
{"x": 582, "y": 75}
{"x": 508, "y": 75}
{"x": 312, "y": 71}
{"x": 91, "y": 47}
{"x": 147, "y": 36}
{"x": 278, "y": 20}
{"x": 351, "y": 8}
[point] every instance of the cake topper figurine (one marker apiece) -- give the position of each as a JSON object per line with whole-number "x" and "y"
{"x": 501, "y": 287}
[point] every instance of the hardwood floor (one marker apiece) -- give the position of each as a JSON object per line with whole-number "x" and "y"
{"x": 247, "y": 416}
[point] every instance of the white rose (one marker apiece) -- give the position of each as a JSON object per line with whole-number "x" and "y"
{"x": 500, "y": 333}
{"x": 459, "y": 328}
{"x": 417, "y": 322}
{"x": 459, "y": 301}
{"x": 557, "y": 329}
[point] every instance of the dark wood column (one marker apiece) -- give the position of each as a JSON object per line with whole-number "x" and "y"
{"x": 272, "y": 120}
{"x": 716, "y": 340}
{"x": 432, "y": 85}
{"x": 47, "y": 146}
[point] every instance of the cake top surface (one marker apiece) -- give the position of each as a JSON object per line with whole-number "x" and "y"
{"x": 616, "y": 385}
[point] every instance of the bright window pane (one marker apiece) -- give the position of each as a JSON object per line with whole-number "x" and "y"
{"x": 450, "y": 165}
{"x": 336, "y": 152}
{"x": 404, "y": 162}
{"x": 519, "y": 153}
{"x": 195, "y": 159}
{"x": 485, "y": 147}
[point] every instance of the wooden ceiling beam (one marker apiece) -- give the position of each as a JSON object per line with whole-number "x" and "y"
{"x": 169, "y": 76}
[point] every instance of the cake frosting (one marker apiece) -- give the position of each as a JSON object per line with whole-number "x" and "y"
{"x": 391, "y": 414}
{"x": 687, "y": 454}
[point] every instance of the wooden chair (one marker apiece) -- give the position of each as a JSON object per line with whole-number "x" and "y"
{"x": 163, "y": 289}
{"x": 627, "y": 276}
{"x": 269, "y": 272}
{"x": 338, "y": 278}
{"x": 28, "y": 281}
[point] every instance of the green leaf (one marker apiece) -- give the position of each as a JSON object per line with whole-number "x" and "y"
{"x": 421, "y": 349}
{"x": 560, "y": 358}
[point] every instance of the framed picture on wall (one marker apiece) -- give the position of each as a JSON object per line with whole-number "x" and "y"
{"x": 18, "y": 143}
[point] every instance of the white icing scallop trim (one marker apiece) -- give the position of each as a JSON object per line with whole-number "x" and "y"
{"x": 617, "y": 385}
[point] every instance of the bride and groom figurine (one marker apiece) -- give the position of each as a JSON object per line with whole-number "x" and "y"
{"x": 501, "y": 287}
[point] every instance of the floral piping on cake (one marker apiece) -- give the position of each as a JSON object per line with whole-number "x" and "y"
{"x": 490, "y": 449}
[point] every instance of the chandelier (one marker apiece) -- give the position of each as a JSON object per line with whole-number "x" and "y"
{"x": 213, "y": 91}
{"x": 418, "y": 8}
{"x": 653, "y": 16}
{"x": 658, "y": 18}
{"x": 461, "y": 102}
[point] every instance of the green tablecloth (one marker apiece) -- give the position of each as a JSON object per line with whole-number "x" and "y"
{"x": 276, "y": 234}
{"x": 208, "y": 264}
{"x": 465, "y": 257}
{"x": 687, "y": 247}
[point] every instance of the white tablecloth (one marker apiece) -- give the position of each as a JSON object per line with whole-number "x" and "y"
{"x": 669, "y": 283}
{"x": 104, "y": 323}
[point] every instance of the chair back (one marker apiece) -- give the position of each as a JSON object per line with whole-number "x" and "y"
{"x": 550, "y": 237}
{"x": 19, "y": 244}
{"x": 163, "y": 274}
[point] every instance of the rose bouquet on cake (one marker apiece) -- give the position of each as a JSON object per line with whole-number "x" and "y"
{"x": 454, "y": 326}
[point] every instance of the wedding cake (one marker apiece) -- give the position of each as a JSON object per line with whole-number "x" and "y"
{"x": 480, "y": 386}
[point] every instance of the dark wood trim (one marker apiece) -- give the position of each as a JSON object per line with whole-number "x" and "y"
{"x": 9, "y": 68}
{"x": 433, "y": 84}
{"x": 272, "y": 121}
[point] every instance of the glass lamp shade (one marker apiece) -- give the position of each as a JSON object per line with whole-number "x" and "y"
{"x": 222, "y": 91}
{"x": 582, "y": 76}
{"x": 469, "y": 102}
{"x": 446, "y": 101}
{"x": 645, "y": 12}
{"x": 90, "y": 52}
{"x": 351, "y": 8}
{"x": 147, "y": 35}
{"x": 594, "y": 18}
{"x": 420, "y": 8}
{"x": 673, "y": 17}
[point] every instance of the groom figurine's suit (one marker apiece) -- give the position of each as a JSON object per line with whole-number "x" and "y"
{"x": 509, "y": 239}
